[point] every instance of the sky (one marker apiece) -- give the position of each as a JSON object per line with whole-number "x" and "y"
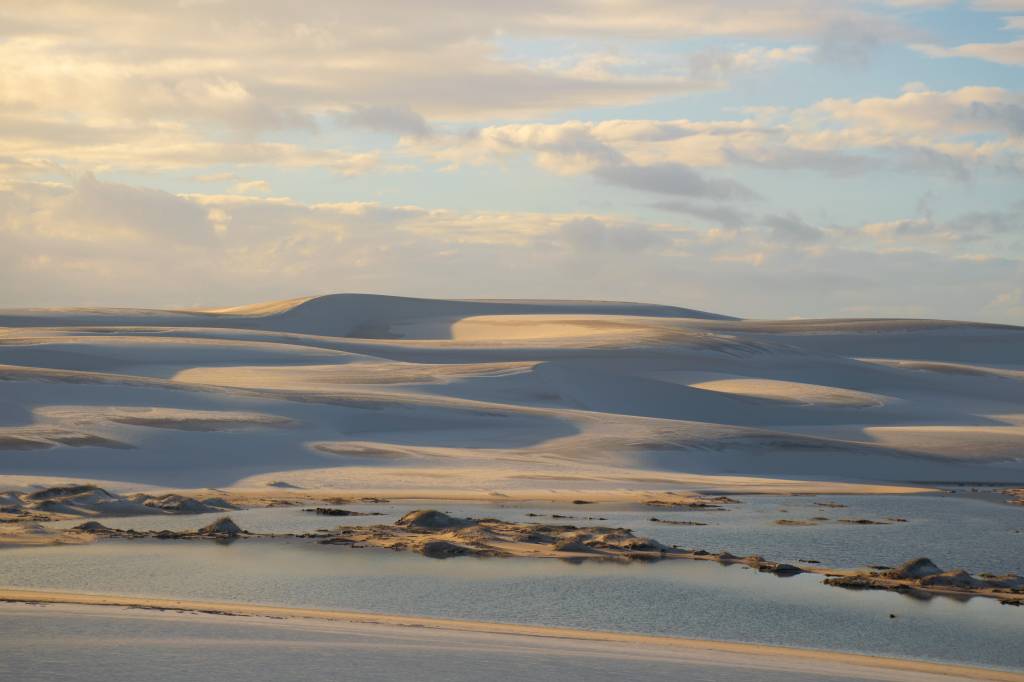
{"x": 765, "y": 159}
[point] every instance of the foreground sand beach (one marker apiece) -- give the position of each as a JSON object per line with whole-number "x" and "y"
{"x": 365, "y": 645}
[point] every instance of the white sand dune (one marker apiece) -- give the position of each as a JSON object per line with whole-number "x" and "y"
{"x": 360, "y": 392}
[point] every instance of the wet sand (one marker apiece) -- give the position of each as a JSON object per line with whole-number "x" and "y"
{"x": 400, "y": 643}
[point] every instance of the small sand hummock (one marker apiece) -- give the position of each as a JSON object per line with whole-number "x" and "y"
{"x": 222, "y": 526}
{"x": 62, "y": 502}
{"x": 923, "y": 575}
{"x": 431, "y": 519}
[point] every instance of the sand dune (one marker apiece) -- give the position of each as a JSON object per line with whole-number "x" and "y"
{"x": 794, "y": 392}
{"x": 359, "y": 392}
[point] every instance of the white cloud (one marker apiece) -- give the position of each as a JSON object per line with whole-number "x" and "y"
{"x": 222, "y": 92}
{"x": 999, "y": 5}
{"x": 954, "y": 234}
{"x": 252, "y": 187}
{"x": 80, "y": 244}
{"x": 932, "y": 115}
{"x": 1011, "y": 52}
{"x": 951, "y": 133}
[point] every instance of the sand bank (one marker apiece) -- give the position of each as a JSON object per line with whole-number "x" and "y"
{"x": 732, "y": 659}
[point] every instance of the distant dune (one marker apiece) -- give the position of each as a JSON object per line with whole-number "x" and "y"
{"x": 378, "y": 393}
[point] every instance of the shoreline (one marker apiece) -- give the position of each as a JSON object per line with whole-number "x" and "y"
{"x": 284, "y": 614}
{"x": 637, "y": 490}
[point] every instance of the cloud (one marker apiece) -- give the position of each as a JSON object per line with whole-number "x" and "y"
{"x": 723, "y": 215}
{"x": 972, "y": 226}
{"x": 252, "y": 187}
{"x": 849, "y": 43}
{"x": 939, "y": 133}
{"x": 719, "y": 64}
{"x": 672, "y": 179}
{"x": 270, "y": 67}
{"x": 590, "y": 234}
{"x": 791, "y": 228}
{"x": 598, "y": 149}
{"x": 204, "y": 84}
{"x": 94, "y": 242}
{"x": 107, "y": 213}
{"x": 214, "y": 96}
{"x": 966, "y": 111}
{"x": 999, "y": 5}
{"x": 81, "y": 146}
{"x": 182, "y": 85}
{"x": 396, "y": 120}
{"x": 1010, "y": 53}
{"x": 920, "y": 3}
{"x": 792, "y": 156}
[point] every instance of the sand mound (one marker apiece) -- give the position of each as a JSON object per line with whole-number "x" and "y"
{"x": 91, "y": 527}
{"x": 373, "y": 316}
{"x": 162, "y": 418}
{"x": 222, "y": 526}
{"x": 793, "y": 392}
{"x": 91, "y": 500}
{"x": 67, "y": 491}
{"x": 442, "y": 549}
{"x": 180, "y": 504}
{"x": 915, "y": 569}
{"x": 572, "y": 544}
{"x": 432, "y": 520}
{"x": 47, "y": 437}
{"x": 959, "y": 578}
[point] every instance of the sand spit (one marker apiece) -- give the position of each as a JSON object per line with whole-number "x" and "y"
{"x": 335, "y": 511}
{"x": 223, "y": 529}
{"x": 163, "y": 418}
{"x": 727, "y": 658}
{"x": 22, "y": 438}
{"x": 34, "y": 534}
{"x": 698, "y": 503}
{"x": 672, "y": 522}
